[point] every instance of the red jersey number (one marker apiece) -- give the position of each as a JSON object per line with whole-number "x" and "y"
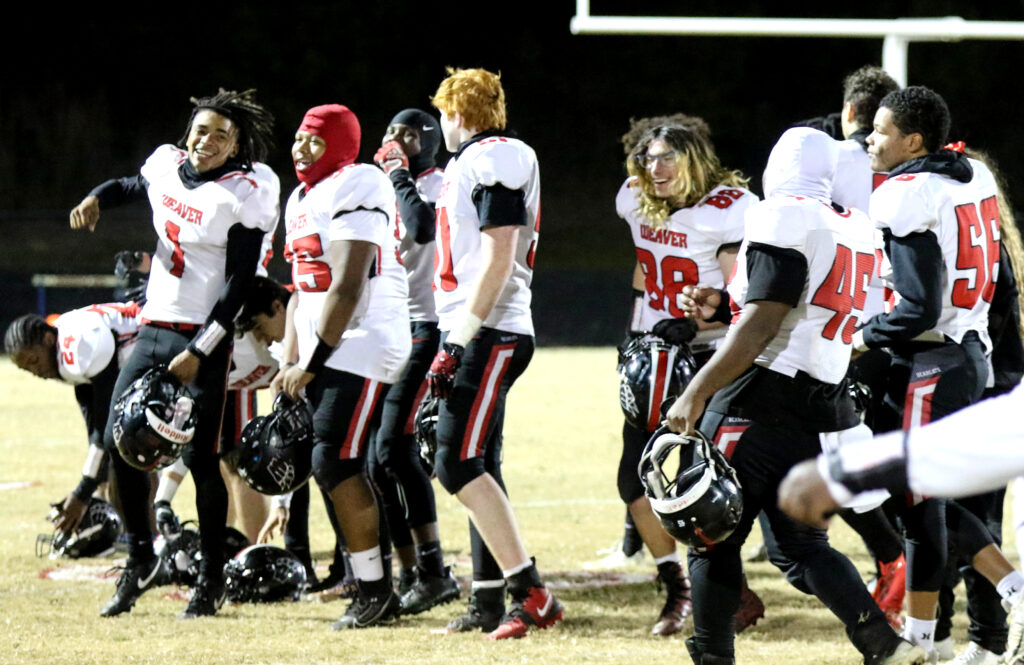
{"x": 978, "y": 250}
{"x": 308, "y": 274}
{"x": 177, "y": 254}
{"x": 665, "y": 283}
{"x": 844, "y": 290}
{"x": 443, "y": 254}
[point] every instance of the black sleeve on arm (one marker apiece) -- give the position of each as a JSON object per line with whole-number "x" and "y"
{"x": 917, "y": 275}
{"x": 243, "y": 256}
{"x": 119, "y": 191}
{"x": 97, "y": 404}
{"x": 775, "y": 274}
{"x": 497, "y": 205}
{"x": 1002, "y": 312}
{"x": 726, "y": 247}
{"x": 417, "y": 214}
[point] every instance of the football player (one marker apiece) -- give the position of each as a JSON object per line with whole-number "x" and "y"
{"x": 488, "y": 218}
{"x": 213, "y": 201}
{"x": 776, "y": 385}
{"x": 407, "y": 155}
{"x": 685, "y": 215}
{"x": 937, "y": 208}
{"x": 351, "y": 330}
{"x": 84, "y": 347}
{"x": 852, "y": 186}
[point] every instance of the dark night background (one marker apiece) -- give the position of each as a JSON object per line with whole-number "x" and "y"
{"x": 87, "y": 95}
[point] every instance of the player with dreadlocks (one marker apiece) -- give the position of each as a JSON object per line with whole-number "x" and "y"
{"x": 213, "y": 201}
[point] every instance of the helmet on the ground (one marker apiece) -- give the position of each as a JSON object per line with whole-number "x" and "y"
{"x": 275, "y": 451}
{"x": 264, "y": 574}
{"x": 425, "y": 431}
{"x": 179, "y": 555}
{"x": 154, "y": 419}
{"x": 653, "y": 372}
{"x": 95, "y": 535}
{"x": 699, "y": 505}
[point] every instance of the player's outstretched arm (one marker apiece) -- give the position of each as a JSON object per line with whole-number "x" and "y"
{"x": 86, "y": 214}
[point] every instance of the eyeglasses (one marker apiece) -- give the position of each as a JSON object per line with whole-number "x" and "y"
{"x": 668, "y": 158}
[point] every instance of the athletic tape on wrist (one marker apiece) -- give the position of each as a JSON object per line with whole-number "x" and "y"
{"x": 208, "y": 338}
{"x": 638, "y": 308}
{"x": 281, "y": 501}
{"x": 462, "y": 332}
{"x": 93, "y": 460}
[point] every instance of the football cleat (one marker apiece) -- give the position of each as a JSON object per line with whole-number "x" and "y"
{"x": 406, "y": 578}
{"x": 678, "y": 605}
{"x": 944, "y": 648}
{"x": 485, "y": 612}
{"x": 901, "y": 653}
{"x": 207, "y": 597}
{"x": 372, "y": 606}
{"x": 1015, "y": 641}
{"x": 538, "y": 609}
{"x": 976, "y": 654}
{"x": 430, "y": 591}
{"x": 136, "y": 578}
{"x": 615, "y": 558}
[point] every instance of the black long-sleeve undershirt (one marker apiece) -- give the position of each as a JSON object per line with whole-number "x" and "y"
{"x": 917, "y": 267}
{"x": 240, "y": 263}
{"x": 417, "y": 214}
{"x": 119, "y": 191}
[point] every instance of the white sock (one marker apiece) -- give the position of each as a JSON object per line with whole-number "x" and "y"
{"x": 367, "y": 565}
{"x": 1011, "y": 586}
{"x": 668, "y": 557}
{"x": 921, "y": 633}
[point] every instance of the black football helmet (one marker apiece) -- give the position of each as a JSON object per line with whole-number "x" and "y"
{"x": 275, "y": 451}
{"x": 425, "y": 431}
{"x": 179, "y": 555}
{"x": 264, "y": 574}
{"x": 653, "y": 373}
{"x": 702, "y": 503}
{"x": 154, "y": 419}
{"x": 94, "y": 536}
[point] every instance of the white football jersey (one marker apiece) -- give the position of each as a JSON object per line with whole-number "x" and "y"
{"x": 88, "y": 339}
{"x": 356, "y": 202}
{"x": 192, "y": 225}
{"x": 854, "y": 181}
{"x": 252, "y": 365}
{"x": 418, "y": 259}
{"x": 965, "y": 219}
{"x": 459, "y": 262}
{"x": 815, "y": 337}
{"x": 685, "y": 252}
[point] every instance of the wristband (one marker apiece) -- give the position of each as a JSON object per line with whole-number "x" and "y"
{"x": 858, "y": 341}
{"x": 93, "y": 462}
{"x": 463, "y": 331}
{"x": 208, "y": 339}
{"x": 320, "y": 355}
{"x": 86, "y": 487}
{"x": 282, "y": 501}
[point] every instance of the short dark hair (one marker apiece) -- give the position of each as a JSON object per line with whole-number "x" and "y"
{"x": 26, "y": 331}
{"x": 864, "y": 90}
{"x": 920, "y": 110}
{"x": 255, "y": 124}
{"x": 260, "y": 300}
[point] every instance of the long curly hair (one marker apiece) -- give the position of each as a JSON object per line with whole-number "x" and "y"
{"x": 699, "y": 173}
{"x": 255, "y": 124}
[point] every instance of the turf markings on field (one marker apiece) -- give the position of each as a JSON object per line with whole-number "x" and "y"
{"x": 20, "y": 485}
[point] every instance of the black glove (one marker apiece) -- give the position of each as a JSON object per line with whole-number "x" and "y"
{"x": 166, "y": 521}
{"x": 676, "y": 331}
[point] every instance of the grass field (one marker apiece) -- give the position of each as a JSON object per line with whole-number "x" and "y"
{"x": 562, "y": 443}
